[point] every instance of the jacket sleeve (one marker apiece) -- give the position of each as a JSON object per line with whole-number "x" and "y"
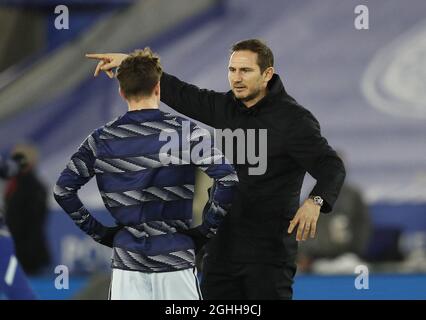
{"x": 203, "y": 105}
{"x": 78, "y": 172}
{"x": 216, "y": 166}
{"x": 310, "y": 149}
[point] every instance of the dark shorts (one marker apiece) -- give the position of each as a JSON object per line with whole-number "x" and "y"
{"x": 247, "y": 281}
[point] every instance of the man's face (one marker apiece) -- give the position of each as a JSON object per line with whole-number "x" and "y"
{"x": 244, "y": 76}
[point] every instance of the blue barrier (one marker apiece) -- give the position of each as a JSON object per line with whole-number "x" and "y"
{"x": 381, "y": 287}
{"x": 44, "y": 287}
{"x": 306, "y": 287}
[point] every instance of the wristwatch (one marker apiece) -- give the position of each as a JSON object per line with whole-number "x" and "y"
{"x": 317, "y": 200}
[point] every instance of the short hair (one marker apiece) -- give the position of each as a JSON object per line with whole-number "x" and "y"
{"x": 265, "y": 57}
{"x": 139, "y": 73}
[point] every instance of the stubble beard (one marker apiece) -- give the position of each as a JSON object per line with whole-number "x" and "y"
{"x": 250, "y": 96}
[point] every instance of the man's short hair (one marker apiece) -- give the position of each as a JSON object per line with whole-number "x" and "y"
{"x": 139, "y": 73}
{"x": 265, "y": 57}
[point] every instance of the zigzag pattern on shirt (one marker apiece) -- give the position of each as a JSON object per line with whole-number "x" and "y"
{"x": 79, "y": 217}
{"x": 62, "y": 192}
{"x": 126, "y": 164}
{"x": 78, "y": 166}
{"x": 136, "y": 197}
{"x": 229, "y": 180}
{"x": 140, "y": 129}
{"x": 177, "y": 260}
{"x": 155, "y": 228}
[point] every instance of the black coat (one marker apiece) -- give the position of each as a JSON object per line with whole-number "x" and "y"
{"x": 26, "y": 215}
{"x": 255, "y": 229}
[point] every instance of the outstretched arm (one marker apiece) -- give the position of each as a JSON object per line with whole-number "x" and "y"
{"x": 203, "y": 105}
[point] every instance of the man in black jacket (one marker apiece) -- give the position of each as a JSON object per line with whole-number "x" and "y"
{"x": 253, "y": 255}
{"x": 26, "y": 213}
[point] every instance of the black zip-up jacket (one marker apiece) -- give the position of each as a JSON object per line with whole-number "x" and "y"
{"x": 255, "y": 230}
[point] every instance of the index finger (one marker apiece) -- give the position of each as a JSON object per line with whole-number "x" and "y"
{"x": 98, "y": 68}
{"x": 293, "y": 224}
{"x": 95, "y": 55}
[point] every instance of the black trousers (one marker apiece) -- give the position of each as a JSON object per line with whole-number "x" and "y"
{"x": 247, "y": 281}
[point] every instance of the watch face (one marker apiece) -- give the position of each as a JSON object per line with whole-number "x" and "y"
{"x": 318, "y": 200}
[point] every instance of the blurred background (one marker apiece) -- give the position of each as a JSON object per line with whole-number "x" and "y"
{"x": 366, "y": 87}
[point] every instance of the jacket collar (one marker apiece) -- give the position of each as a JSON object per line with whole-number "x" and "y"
{"x": 143, "y": 114}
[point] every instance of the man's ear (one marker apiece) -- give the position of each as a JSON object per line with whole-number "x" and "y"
{"x": 121, "y": 93}
{"x": 157, "y": 89}
{"x": 268, "y": 73}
